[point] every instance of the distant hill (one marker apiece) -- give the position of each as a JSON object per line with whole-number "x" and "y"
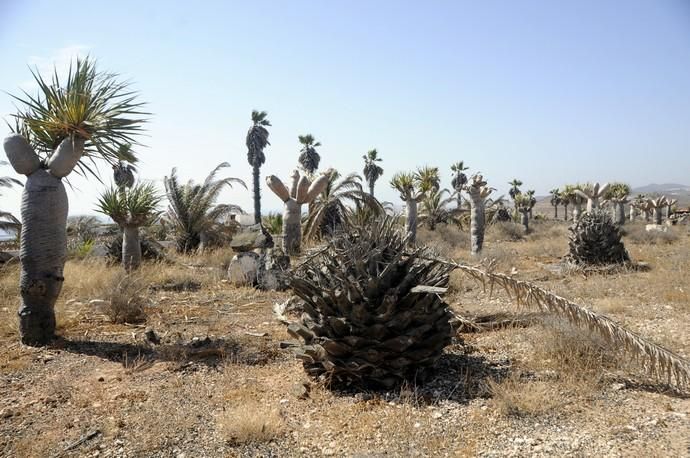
{"x": 666, "y": 188}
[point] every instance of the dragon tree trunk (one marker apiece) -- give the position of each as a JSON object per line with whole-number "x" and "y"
{"x": 555, "y": 211}
{"x": 668, "y": 212}
{"x": 565, "y": 212}
{"x": 477, "y": 220}
{"x": 292, "y": 227}
{"x": 657, "y": 215}
{"x": 131, "y": 248}
{"x": 411, "y": 222}
{"x": 632, "y": 213}
{"x": 524, "y": 219}
{"x": 619, "y": 213}
{"x": 577, "y": 209}
{"x": 43, "y": 248}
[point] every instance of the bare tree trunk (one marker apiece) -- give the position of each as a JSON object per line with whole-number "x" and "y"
{"x": 256, "y": 170}
{"x": 525, "y": 219}
{"x": 43, "y": 253}
{"x": 131, "y": 248}
{"x": 292, "y": 227}
{"x": 477, "y": 221}
{"x": 577, "y": 209}
{"x": 565, "y": 212}
{"x": 619, "y": 213}
{"x": 411, "y": 222}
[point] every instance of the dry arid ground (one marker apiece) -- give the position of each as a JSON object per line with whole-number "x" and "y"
{"x": 217, "y": 384}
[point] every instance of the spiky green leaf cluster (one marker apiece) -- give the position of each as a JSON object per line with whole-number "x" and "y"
{"x": 428, "y": 178}
{"x": 309, "y": 158}
{"x": 137, "y": 206}
{"x": 193, "y": 208}
{"x": 617, "y": 191}
{"x": 90, "y": 104}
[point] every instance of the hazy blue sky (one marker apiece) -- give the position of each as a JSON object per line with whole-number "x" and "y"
{"x": 546, "y": 91}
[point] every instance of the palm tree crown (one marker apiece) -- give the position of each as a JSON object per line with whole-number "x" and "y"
{"x": 192, "y": 208}
{"x": 372, "y": 171}
{"x": 459, "y": 178}
{"x": 428, "y": 179}
{"x": 404, "y": 183}
{"x": 309, "y": 159}
{"x": 136, "y": 206}
{"x": 514, "y": 188}
{"x": 257, "y": 138}
{"x": 330, "y": 211}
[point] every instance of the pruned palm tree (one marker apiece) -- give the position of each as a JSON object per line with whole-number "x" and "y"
{"x": 406, "y": 184}
{"x": 372, "y": 171}
{"x": 330, "y": 212}
{"x": 435, "y": 209}
{"x": 7, "y": 221}
{"x": 257, "y": 140}
{"x": 428, "y": 179}
{"x": 131, "y": 209}
{"x": 69, "y": 124}
{"x": 555, "y": 201}
{"x": 459, "y": 180}
{"x": 193, "y": 210}
{"x": 309, "y": 158}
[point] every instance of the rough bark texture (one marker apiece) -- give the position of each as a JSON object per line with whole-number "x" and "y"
{"x": 555, "y": 211}
{"x": 43, "y": 253}
{"x": 256, "y": 169}
{"x": 411, "y": 222}
{"x": 657, "y": 215}
{"x": 619, "y": 213}
{"x": 632, "y": 213}
{"x": 292, "y": 227}
{"x": 131, "y": 248}
{"x": 565, "y": 212}
{"x": 43, "y": 249}
{"x": 477, "y": 218}
{"x": 524, "y": 219}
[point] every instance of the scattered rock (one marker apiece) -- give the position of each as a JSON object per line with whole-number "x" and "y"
{"x": 251, "y": 238}
{"x": 151, "y": 336}
{"x": 656, "y": 228}
{"x": 301, "y": 390}
{"x": 98, "y": 303}
{"x": 243, "y": 269}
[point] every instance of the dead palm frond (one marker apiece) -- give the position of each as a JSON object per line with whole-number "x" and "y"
{"x": 658, "y": 361}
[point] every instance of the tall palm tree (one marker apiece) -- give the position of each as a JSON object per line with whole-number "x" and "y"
{"x": 192, "y": 208}
{"x": 330, "y": 212}
{"x": 406, "y": 184}
{"x": 257, "y": 140}
{"x": 459, "y": 179}
{"x": 309, "y": 159}
{"x": 428, "y": 179}
{"x": 555, "y": 201}
{"x": 131, "y": 209}
{"x": 7, "y": 221}
{"x": 372, "y": 171}
{"x": 68, "y": 124}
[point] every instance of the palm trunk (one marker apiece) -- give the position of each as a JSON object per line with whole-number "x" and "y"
{"x": 131, "y": 248}
{"x": 371, "y": 188}
{"x": 411, "y": 222}
{"x": 577, "y": 209}
{"x": 525, "y": 219}
{"x": 43, "y": 253}
{"x": 477, "y": 220}
{"x": 256, "y": 170}
{"x": 565, "y": 212}
{"x": 292, "y": 227}
{"x": 555, "y": 211}
{"x": 619, "y": 213}
{"x": 657, "y": 215}
{"x": 459, "y": 198}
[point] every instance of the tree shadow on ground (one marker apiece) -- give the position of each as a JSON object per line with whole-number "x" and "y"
{"x": 208, "y": 352}
{"x": 457, "y": 376}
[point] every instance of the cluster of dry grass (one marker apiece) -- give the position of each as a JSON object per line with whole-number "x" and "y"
{"x": 217, "y": 383}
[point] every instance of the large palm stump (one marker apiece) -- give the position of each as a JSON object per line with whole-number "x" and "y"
{"x": 596, "y": 240}
{"x": 372, "y": 314}
{"x": 43, "y": 248}
{"x": 301, "y": 192}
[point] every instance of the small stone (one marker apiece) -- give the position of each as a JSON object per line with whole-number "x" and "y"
{"x": 6, "y": 413}
{"x": 417, "y": 424}
{"x": 301, "y": 390}
{"x": 98, "y": 303}
{"x": 617, "y": 386}
{"x": 101, "y": 379}
{"x": 436, "y": 415}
